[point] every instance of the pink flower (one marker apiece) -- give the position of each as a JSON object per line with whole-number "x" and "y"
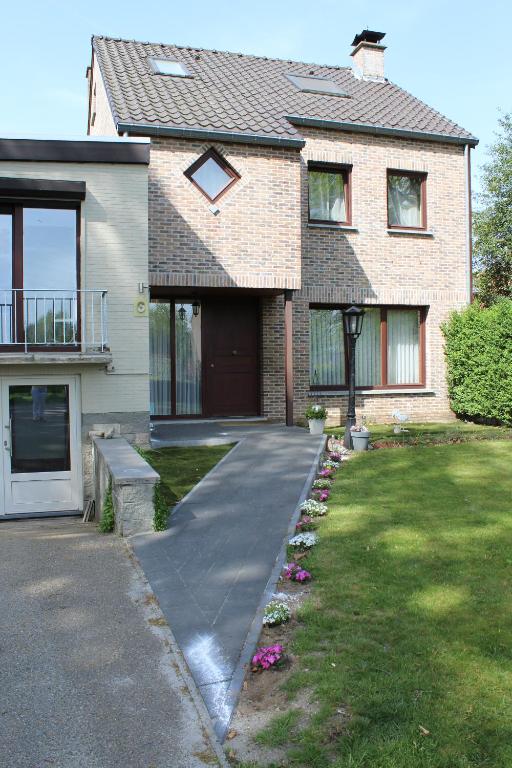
{"x": 326, "y": 472}
{"x": 334, "y": 456}
{"x": 323, "y": 494}
{"x": 268, "y": 656}
{"x": 295, "y": 572}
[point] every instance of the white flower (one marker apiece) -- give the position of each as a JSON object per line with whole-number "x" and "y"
{"x": 303, "y": 540}
{"x": 317, "y": 408}
{"x": 276, "y": 613}
{"x": 330, "y": 464}
{"x": 313, "y": 508}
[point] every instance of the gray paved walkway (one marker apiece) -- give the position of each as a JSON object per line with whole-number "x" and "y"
{"x": 210, "y": 569}
{"x": 85, "y": 680}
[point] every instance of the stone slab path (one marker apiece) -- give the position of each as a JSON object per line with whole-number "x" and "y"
{"x": 210, "y": 569}
{"x": 88, "y": 675}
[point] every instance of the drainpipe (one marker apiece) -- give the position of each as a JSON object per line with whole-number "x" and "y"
{"x": 469, "y": 223}
{"x": 288, "y": 355}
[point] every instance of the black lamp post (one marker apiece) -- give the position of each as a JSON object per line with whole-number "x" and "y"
{"x": 352, "y": 326}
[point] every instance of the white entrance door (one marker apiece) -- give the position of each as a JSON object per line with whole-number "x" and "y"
{"x": 40, "y": 445}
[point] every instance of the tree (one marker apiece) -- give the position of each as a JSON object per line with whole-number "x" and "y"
{"x": 492, "y": 225}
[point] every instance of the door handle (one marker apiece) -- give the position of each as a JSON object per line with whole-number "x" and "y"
{"x": 8, "y": 444}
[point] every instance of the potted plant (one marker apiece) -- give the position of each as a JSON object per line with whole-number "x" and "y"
{"x": 316, "y": 416}
{"x": 360, "y": 437}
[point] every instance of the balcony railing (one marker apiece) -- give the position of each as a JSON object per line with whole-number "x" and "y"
{"x": 57, "y": 319}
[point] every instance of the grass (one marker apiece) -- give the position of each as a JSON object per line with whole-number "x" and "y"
{"x": 182, "y": 468}
{"x": 409, "y": 627}
{"x": 431, "y": 433}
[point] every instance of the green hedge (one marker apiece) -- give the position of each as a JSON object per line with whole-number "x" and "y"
{"x": 479, "y": 358}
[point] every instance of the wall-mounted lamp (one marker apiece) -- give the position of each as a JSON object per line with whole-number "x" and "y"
{"x": 182, "y": 312}
{"x": 196, "y": 306}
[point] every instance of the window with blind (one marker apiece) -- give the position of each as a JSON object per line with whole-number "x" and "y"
{"x": 389, "y": 353}
{"x": 329, "y": 193}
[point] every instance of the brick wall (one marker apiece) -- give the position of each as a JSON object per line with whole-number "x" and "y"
{"x": 371, "y": 266}
{"x": 254, "y": 240}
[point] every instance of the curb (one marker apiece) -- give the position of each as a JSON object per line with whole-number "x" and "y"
{"x": 235, "y": 686}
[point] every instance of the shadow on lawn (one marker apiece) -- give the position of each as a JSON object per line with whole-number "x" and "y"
{"x": 411, "y": 610}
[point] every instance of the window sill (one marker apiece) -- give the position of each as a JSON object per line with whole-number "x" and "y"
{"x": 344, "y": 392}
{"x": 414, "y": 232}
{"x": 339, "y": 227}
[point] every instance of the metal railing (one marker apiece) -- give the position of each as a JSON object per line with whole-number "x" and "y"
{"x": 56, "y": 318}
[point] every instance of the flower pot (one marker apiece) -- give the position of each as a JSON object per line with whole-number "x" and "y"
{"x": 316, "y": 426}
{"x": 360, "y": 440}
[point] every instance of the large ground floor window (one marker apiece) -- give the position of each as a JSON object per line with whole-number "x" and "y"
{"x": 389, "y": 353}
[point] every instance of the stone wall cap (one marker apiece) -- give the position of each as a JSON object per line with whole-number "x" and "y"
{"x": 126, "y": 466}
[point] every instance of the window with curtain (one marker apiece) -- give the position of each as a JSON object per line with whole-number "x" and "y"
{"x": 406, "y": 204}
{"x": 328, "y": 194}
{"x": 401, "y": 356}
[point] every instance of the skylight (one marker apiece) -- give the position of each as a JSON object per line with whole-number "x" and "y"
{"x": 168, "y": 67}
{"x": 313, "y": 84}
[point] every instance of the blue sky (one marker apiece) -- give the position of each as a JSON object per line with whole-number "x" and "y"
{"x": 453, "y": 55}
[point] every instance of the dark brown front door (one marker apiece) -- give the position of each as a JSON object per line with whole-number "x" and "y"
{"x": 230, "y": 356}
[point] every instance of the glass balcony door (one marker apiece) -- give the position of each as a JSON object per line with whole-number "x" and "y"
{"x": 175, "y": 358}
{"x": 39, "y": 258}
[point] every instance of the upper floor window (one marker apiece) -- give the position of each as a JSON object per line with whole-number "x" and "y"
{"x": 389, "y": 353}
{"x": 329, "y": 193}
{"x": 407, "y": 200}
{"x": 38, "y": 274}
{"x": 212, "y": 175}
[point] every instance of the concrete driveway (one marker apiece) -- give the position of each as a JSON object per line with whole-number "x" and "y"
{"x": 89, "y": 676}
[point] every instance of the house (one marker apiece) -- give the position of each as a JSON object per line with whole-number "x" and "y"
{"x": 74, "y": 351}
{"x": 279, "y": 193}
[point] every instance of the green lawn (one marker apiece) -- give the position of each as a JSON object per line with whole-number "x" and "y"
{"x": 182, "y": 468}
{"x": 410, "y": 622}
{"x": 431, "y": 433}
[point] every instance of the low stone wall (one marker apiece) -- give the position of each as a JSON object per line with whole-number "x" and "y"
{"x": 133, "y": 484}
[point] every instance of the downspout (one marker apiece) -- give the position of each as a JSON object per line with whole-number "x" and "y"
{"x": 469, "y": 224}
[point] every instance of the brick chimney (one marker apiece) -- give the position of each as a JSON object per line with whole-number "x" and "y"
{"x": 368, "y": 55}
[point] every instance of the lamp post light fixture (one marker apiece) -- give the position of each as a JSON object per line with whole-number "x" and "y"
{"x": 196, "y": 305}
{"x": 352, "y": 326}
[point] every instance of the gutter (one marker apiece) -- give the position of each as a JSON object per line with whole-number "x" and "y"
{"x": 380, "y": 130}
{"x": 202, "y": 133}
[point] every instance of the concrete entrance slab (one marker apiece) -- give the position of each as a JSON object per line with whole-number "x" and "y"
{"x": 210, "y": 569}
{"x": 87, "y": 669}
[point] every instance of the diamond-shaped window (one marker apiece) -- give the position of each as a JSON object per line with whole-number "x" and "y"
{"x": 212, "y": 175}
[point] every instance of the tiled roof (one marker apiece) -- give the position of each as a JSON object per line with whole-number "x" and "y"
{"x": 250, "y": 95}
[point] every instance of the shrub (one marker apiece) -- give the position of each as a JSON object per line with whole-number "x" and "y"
{"x": 107, "y": 521}
{"x": 276, "y": 613}
{"x": 161, "y": 514}
{"x": 313, "y": 508}
{"x": 303, "y": 541}
{"x": 322, "y": 484}
{"x": 479, "y": 358}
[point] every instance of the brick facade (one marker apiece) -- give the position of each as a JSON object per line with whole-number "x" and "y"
{"x": 260, "y": 239}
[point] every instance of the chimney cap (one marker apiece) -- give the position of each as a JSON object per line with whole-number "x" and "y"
{"x": 368, "y": 36}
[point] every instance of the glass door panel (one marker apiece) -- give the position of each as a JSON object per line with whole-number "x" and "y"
{"x": 188, "y": 360}
{"x": 50, "y": 275}
{"x": 160, "y": 366}
{"x": 39, "y": 425}
{"x": 6, "y": 315}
